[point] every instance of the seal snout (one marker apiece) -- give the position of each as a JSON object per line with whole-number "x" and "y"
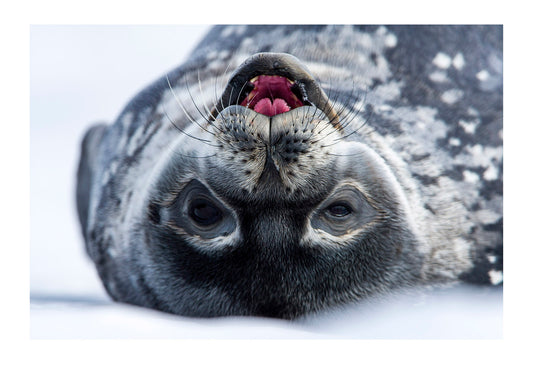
{"x": 274, "y": 124}
{"x": 272, "y": 84}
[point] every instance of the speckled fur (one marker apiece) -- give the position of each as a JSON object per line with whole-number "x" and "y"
{"x": 426, "y": 106}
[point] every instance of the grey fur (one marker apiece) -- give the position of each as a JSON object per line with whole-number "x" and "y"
{"x": 417, "y": 149}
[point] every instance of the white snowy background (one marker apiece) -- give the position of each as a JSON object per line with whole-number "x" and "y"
{"x": 84, "y": 74}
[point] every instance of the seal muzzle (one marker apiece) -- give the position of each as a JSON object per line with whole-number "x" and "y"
{"x": 274, "y": 83}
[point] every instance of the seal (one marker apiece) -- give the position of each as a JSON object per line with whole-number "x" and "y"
{"x": 284, "y": 170}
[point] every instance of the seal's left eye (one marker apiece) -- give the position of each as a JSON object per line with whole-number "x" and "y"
{"x": 346, "y": 210}
{"x": 204, "y": 213}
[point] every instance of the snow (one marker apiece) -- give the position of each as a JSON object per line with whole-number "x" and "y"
{"x": 457, "y": 313}
{"x": 83, "y": 74}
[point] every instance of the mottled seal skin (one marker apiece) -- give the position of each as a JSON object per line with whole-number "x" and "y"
{"x": 388, "y": 176}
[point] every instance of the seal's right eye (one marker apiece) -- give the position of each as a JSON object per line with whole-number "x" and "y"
{"x": 204, "y": 213}
{"x": 197, "y": 211}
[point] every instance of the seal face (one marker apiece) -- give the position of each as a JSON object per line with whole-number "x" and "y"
{"x": 302, "y": 185}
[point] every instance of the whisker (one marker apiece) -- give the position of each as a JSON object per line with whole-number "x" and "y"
{"x": 355, "y": 114}
{"x": 200, "y": 112}
{"x": 183, "y": 108}
{"x": 206, "y": 109}
{"x": 219, "y": 113}
{"x": 344, "y": 111}
{"x": 336, "y": 141}
{"x": 216, "y": 93}
{"x": 329, "y": 111}
{"x": 240, "y": 91}
{"x": 183, "y": 131}
{"x": 190, "y": 156}
{"x": 348, "y": 115}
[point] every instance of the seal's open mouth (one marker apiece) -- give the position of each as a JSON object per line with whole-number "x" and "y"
{"x": 272, "y": 84}
{"x": 273, "y": 95}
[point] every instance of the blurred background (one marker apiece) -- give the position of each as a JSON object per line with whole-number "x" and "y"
{"x": 80, "y": 75}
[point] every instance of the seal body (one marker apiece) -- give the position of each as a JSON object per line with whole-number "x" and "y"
{"x": 282, "y": 170}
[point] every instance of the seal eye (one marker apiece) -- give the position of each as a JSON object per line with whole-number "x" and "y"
{"x": 204, "y": 213}
{"x": 345, "y": 211}
{"x": 196, "y": 211}
{"x": 339, "y": 210}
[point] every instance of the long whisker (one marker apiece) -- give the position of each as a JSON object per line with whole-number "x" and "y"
{"x": 351, "y": 133}
{"x": 200, "y": 112}
{"x": 216, "y": 109}
{"x": 183, "y": 108}
{"x": 190, "y": 156}
{"x": 341, "y": 113}
{"x": 329, "y": 111}
{"x": 350, "y": 113}
{"x": 181, "y": 130}
{"x": 347, "y": 117}
{"x": 354, "y": 115}
{"x": 206, "y": 109}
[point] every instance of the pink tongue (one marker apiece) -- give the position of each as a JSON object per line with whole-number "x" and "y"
{"x": 266, "y": 107}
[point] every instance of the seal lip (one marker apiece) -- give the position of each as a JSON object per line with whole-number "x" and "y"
{"x": 275, "y": 64}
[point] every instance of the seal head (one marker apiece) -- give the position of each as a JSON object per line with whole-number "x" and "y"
{"x": 276, "y": 221}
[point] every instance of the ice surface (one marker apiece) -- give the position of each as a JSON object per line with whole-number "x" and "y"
{"x": 457, "y": 313}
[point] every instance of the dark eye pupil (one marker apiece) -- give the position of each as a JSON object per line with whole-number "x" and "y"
{"x": 204, "y": 213}
{"x": 339, "y": 210}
